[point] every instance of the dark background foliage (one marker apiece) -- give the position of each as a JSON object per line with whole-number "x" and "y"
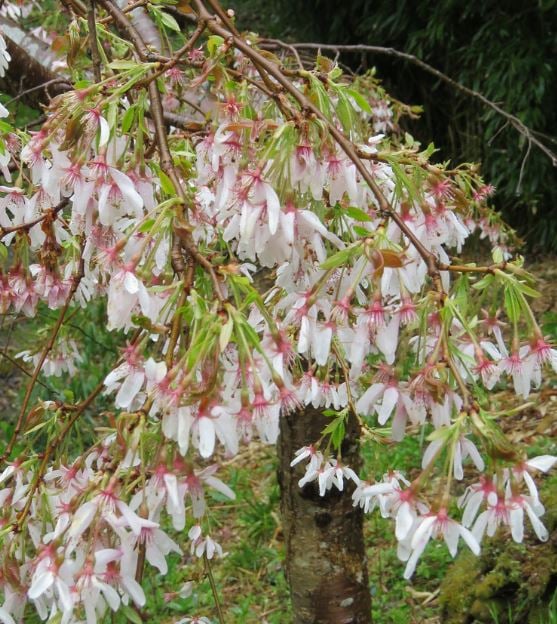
{"x": 505, "y": 50}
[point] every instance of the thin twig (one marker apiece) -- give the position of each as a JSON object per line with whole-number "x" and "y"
{"x": 50, "y": 214}
{"x": 214, "y": 589}
{"x": 290, "y": 48}
{"x": 93, "y": 42}
{"x": 176, "y": 58}
{"x": 31, "y": 385}
{"x": 519, "y": 125}
{"x": 192, "y": 105}
{"x": 131, "y": 32}
{"x": 52, "y": 446}
{"x": 43, "y": 85}
{"x": 126, "y": 9}
{"x": 522, "y": 166}
{"x": 21, "y": 368}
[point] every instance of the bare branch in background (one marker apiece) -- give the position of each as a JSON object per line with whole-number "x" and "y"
{"x": 516, "y": 123}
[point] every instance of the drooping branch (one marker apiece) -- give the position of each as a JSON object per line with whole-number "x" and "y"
{"x": 46, "y": 350}
{"x": 513, "y": 120}
{"x": 51, "y": 448}
{"x": 181, "y": 227}
{"x": 261, "y": 63}
{"x": 275, "y": 79}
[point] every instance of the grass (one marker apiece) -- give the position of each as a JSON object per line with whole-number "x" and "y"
{"x": 250, "y": 579}
{"x": 511, "y": 618}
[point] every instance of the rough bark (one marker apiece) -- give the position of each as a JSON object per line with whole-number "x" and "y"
{"x": 326, "y": 565}
{"x": 144, "y": 26}
{"x": 36, "y": 84}
{"x": 28, "y": 76}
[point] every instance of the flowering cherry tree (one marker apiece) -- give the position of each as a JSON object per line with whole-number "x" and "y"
{"x": 277, "y": 256}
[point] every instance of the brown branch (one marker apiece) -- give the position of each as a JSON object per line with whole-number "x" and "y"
{"x": 175, "y": 59}
{"x": 182, "y": 228}
{"x": 214, "y": 589}
{"x": 31, "y": 385}
{"x": 214, "y": 4}
{"x": 129, "y": 29}
{"x": 188, "y": 45}
{"x": 52, "y": 446}
{"x": 50, "y": 214}
{"x": 167, "y": 163}
{"x": 93, "y": 42}
{"x": 277, "y": 43}
{"x": 345, "y": 144}
{"x": 44, "y": 85}
{"x": 193, "y": 105}
{"x": 26, "y": 69}
{"x": 255, "y": 83}
{"x": 21, "y": 368}
{"x": 126, "y": 9}
{"x": 76, "y": 6}
{"x": 517, "y": 124}
{"x": 40, "y": 78}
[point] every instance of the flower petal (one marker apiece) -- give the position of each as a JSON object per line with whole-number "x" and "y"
{"x": 542, "y": 462}
{"x": 206, "y": 430}
{"x": 42, "y": 583}
{"x": 5, "y": 617}
{"x": 127, "y": 189}
{"x": 129, "y": 389}
{"x": 134, "y": 590}
{"x": 470, "y": 540}
{"x": 83, "y": 518}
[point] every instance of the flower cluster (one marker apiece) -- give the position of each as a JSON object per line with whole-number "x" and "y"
{"x": 271, "y": 253}
{"x": 88, "y": 530}
{"x": 63, "y": 360}
{"x": 504, "y": 502}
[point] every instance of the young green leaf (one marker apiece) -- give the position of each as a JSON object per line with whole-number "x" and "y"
{"x": 360, "y": 100}
{"x": 341, "y": 257}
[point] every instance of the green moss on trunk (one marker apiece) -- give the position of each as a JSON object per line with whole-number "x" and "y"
{"x": 509, "y": 583}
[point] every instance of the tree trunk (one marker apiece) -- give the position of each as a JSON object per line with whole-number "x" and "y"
{"x": 325, "y": 554}
{"x": 41, "y": 84}
{"x": 28, "y": 76}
